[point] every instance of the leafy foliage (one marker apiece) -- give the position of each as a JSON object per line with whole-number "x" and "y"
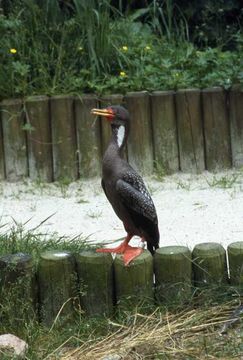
{"x": 90, "y": 46}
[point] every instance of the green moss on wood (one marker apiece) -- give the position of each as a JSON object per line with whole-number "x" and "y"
{"x": 95, "y": 273}
{"x": 209, "y": 264}
{"x": 173, "y": 273}
{"x": 57, "y": 281}
{"x": 235, "y": 256}
{"x": 134, "y": 283}
{"x": 18, "y": 290}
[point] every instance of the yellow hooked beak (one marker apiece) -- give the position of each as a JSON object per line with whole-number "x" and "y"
{"x": 103, "y": 112}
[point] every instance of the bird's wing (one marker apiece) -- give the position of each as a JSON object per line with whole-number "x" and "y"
{"x": 136, "y": 197}
{"x": 103, "y": 186}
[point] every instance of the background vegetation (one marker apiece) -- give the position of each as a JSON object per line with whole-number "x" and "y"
{"x": 75, "y": 46}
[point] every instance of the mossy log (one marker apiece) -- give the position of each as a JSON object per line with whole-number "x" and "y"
{"x": 134, "y": 283}
{"x": 216, "y": 129}
{"x": 235, "y": 257}
{"x": 140, "y": 145}
{"x": 39, "y": 138}
{"x": 164, "y": 131}
{"x": 64, "y": 144}
{"x": 14, "y": 139}
{"x": 88, "y": 136}
{"x": 173, "y": 274}
{"x": 95, "y": 272}
{"x": 209, "y": 264}
{"x": 18, "y": 291}
{"x": 108, "y": 100}
{"x": 2, "y": 166}
{"x": 236, "y": 125}
{"x": 190, "y": 130}
{"x": 57, "y": 280}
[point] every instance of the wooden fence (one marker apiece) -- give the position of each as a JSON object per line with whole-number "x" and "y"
{"x": 53, "y": 138}
{"x": 96, "y": 285}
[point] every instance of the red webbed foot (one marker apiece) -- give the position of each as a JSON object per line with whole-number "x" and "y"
{"x": 131, "y": 253}
{"x": 117, "y": 250}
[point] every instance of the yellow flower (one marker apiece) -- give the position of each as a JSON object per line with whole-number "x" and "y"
{"x": 80, "y": 48}
{"x": 13, "y": 51}
{"x": 124, "y": 48}
{"x": 147, "y": 47}
{"x": 123, "y": 74}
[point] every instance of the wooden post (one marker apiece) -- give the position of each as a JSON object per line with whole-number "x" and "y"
{"x": 235, "y": 256}
{"x": 173, "y": 273}
{"x": 216, "y": 129}
{"x": 108, "y": 100}
{"x": 57, "y": 281}
{"x": 18, "y": 294}
{"x": 2, "y": 165}
{"x": 14, "y": 140}
{"x": 65, "y": 162}
{"x": 140, "y": 146}
{"x": 236, "y": 125}
{"x": 164, "y": 131}
{"x": 39, "y": 138}
{"x": 95, "y": 273}
{"x": 88, "y": 136}
{"x": 209, "y": 264}
{"x": 134, "y": 283}
{"x": 190, "y": 130}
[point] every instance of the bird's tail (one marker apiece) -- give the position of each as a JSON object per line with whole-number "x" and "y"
{"x": 153, "y": 242}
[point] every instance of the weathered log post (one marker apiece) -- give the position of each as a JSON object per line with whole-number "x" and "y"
{"x": 216, "y": 129}
{"x": 2, "y": 166}
{"x": 88, "y": 136}
{"x": 173, "y": 274}
{"x": 39, "y": 138}
{"x": 209, "y": 264}
{"x": 57, "y": 280}
{"x": 65, "y": 161}
{"x": 164, "y": 131}
{"x": 134, "y": 283}
{"x": 236, "y": 125}
{"x": 14, "y": 139}
{"x": 190, "y": 130}
{"x": 18, "y": 291}
{"x": 95, "y": 272}
{"x": 235, "y": 257}
{"x": 140, "y": 145}
{"x": 108, "y": 100}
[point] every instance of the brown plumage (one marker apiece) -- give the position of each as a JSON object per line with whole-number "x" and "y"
{"x": 125, "y": 189}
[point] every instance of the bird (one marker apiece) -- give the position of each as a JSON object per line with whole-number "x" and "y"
{"x": 125, "y": 189}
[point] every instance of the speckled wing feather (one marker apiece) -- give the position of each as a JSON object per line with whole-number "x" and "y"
{"x": 134, "y": 194}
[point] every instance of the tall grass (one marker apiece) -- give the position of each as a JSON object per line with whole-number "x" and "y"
{"x": 34, "y": 242}
{"x": 167, "y": 19}
{"x": 94, "y": 24}
{"x": 78, "y": 46}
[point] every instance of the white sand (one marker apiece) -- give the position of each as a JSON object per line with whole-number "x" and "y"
{"x": 191, "y": 209}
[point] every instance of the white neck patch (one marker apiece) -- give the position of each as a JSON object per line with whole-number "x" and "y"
{"x": 120, "y": 135}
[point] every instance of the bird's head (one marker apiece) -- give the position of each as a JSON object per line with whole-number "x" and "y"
{"x": 115, "y": 114}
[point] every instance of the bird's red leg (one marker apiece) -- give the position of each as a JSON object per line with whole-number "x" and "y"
{"x": 131, "y": 253}
{"x": 119, "y": 249}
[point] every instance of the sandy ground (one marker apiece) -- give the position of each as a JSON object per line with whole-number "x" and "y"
{"x": 191, "y": 209}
